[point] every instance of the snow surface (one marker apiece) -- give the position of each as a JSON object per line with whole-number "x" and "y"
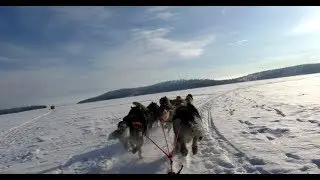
{"x": 270, "y": 126}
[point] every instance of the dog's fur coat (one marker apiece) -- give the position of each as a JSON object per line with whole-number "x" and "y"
{"x": 187, "y": 127}
{"x": 168, "y": 107}
{"x": 144, "y": 117}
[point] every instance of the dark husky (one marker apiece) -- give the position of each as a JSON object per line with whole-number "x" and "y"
{"x": 153, "y": 113}
{"x": 136, "y": 120}
{"x": 139, "y": 121}
{"x": 187, "y": 127}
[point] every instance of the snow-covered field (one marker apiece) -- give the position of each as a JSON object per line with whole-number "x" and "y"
{"x": 270, "y": 126}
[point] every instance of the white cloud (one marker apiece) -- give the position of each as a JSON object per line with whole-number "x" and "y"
{"x": 156, "y": 39}
{"x": 308, "y": 24}
{"x": 158, "y": 9}
{"x": 238, "y": 43}
{"x": 151, "y": 49}
{"x": 223, "y": 12}
{"x": 161, "y": 12}
{"x": 165, "y": 15}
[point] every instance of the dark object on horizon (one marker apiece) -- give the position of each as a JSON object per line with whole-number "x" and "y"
{"x": 21, "y": 109}
{"x": 52, "y": 107}
{"x": 197, "y": 83}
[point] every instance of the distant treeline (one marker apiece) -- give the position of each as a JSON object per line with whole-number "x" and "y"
{"x": 21, "y": 109}
{"x": 282, "y": 72}
{"x": 198, "y": 83}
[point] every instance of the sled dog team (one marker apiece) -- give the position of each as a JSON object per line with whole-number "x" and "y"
{"x": 177, "y": 114}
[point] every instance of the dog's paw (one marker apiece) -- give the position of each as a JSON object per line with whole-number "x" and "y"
{"x": 126, "y": 147}
{"x": 134, "y": 150}
{"x": 195, "y": 150}
{"x": 184, "y": 152}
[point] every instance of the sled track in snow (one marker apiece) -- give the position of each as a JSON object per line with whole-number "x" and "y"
{"x": 12, "y": 135}
{"x": 227, "y": 158}
{"x": 224, "y": 156}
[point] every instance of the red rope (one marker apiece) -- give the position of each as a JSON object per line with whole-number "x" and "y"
{"x": 165, "y": 136}
{"x": 169, "y": 154}
{"x": 157, "y": 145}
{"x": 175, "y": 141}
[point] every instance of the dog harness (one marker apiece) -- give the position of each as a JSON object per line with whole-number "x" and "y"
{"x": 137, "y": 124}
{"x": 168, "y": 114}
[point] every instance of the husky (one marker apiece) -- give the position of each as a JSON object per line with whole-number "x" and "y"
{"x": 136, "y": 121}
{"x": 152, "y": 112}
{"x": 139, "y": 121}
{"x": 187, "y": 127}
{"x": 168, "y": 107}
{"x": 166, "y": 110}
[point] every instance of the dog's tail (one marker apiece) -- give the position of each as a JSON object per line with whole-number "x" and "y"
{"x": 141, "y": 106}
{"x": 189, "y": 99}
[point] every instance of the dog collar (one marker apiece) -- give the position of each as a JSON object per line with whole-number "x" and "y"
{"x": 136, "y": 124}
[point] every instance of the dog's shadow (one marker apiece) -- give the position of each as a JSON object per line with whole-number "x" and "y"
{"x": 95, "y": 162}
{"x": 97, "y": 155}
{"x": 139, "y": 168}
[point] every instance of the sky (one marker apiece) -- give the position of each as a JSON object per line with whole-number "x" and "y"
{"x": 62, "y": 54}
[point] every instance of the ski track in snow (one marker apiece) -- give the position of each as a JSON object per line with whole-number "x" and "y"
{"x": 253, "y": 127}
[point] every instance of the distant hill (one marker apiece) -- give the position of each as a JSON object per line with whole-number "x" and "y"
{"x": 197, "y": 83}
{"x": 282, "y": 72}
{"x": 21, "y": 109}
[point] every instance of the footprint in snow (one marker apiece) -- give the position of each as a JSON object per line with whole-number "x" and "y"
{"x": 255, "y": 117}
{"x": 270, "y": 138}
{"x": 256, "y": 161}
{"x": 224, "y": 161}
{"x": 304, "y": 168}
{"x": 275, "y": 121}
{"x": 248, "y": 123}
{"x": 299, "y": 120}
{"x": 293, "y": 156}
{"x": 279, "y": 112}
{"x": 313, "y": 121}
